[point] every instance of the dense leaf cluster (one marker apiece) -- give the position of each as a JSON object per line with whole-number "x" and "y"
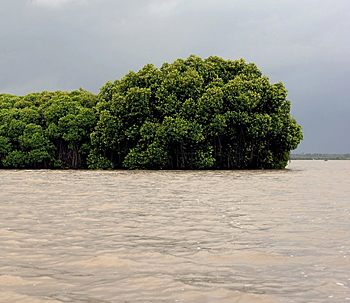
{"x": 46, "y": 130}
{"x": 191, "y": 114}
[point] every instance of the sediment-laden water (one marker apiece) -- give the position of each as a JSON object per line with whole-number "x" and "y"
{"x": 176, "y": 236}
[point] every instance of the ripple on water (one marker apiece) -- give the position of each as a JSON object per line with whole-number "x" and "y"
{"x": 184, "y": 236}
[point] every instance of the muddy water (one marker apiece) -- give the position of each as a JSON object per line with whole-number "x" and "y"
{"x": 149, "y": 236}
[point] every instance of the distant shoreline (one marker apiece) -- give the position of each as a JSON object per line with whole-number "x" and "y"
{"x": 317, "y": 156}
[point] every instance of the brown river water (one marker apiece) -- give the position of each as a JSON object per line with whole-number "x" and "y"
{"x": 176, "y": 236}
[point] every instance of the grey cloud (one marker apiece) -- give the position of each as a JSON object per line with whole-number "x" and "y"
{"x": 303, "y": 43}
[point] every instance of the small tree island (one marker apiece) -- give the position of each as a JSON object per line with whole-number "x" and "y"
{"x": 191, "y": 114}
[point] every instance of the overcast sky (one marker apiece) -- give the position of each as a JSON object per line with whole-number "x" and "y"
{"x": 67, "y": 44}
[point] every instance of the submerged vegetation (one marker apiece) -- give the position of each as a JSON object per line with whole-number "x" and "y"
{"x": 191, "y": 114}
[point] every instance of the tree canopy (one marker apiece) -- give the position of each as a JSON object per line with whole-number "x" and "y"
{"x": 46, "y": 130}
{"x": 190, "y": 114}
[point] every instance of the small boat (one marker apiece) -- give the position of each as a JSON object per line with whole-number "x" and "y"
{"x": 326, "y": 159}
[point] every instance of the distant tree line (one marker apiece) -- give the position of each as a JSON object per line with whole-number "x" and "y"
{"x": 191, "y": 114}
{"x": 318, "y": 156}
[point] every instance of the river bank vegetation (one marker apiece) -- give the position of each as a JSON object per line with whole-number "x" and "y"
{"x": 190, "y": 114}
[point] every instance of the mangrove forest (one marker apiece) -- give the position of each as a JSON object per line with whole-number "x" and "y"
{"x": 191, "y": 114}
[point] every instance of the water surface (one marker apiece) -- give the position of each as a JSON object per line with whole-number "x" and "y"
{"x": 176, "y": 236}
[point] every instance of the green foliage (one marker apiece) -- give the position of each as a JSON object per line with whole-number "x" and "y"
{"x": 194, "y": 114}
{"x": 46, "y": 130}
{"x": 191, "y": 114}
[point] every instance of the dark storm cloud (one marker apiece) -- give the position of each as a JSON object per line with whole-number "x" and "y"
{"x": 65, "y": 44}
